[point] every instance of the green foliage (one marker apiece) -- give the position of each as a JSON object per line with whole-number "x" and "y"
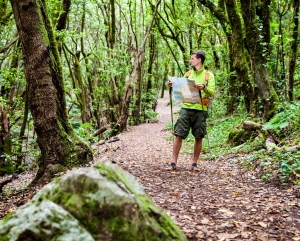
{"x": 147, "y": 112}
{"x": 7, "y": 166}
{"x": 169, "y": 127}
{"x": 286, "y": 121}
{"x": 84, "y": 131}
{"x": 151, "y": 115}
{"x": 107, "y": 134}
{"x": 216, "y": 140}
{"x": 280, "y": 165}
{"x": 105, "y": 62}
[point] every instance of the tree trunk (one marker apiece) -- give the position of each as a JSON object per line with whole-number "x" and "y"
{"x": 136, "y": 110}
{"x": 60, "y": 147}
{"x": 259, "y": 62}
{"x": 20, "y": 154}
{"x": 78, "y": 83}
{"x": 238, "y": 59}
{"x": 238, "y": 62}
{"x": 294, "y": 49}
{"x": 6, "y": 166}
{"x": 138, "y": 55}
{"x": 62, "y": 20}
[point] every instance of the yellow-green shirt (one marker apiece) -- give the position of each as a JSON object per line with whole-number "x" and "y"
{"x": 199, "y": 77}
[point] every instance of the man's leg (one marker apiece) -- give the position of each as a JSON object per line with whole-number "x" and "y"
{"x": 176, "y": 148}
{"x": 197, "y": 149}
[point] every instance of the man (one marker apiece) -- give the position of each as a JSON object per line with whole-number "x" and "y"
{"x": 193, "y": 115}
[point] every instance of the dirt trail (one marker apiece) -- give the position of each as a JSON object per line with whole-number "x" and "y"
{"x": 222, "y": 202}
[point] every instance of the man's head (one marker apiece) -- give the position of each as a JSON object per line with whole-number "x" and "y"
{"x": 199, "y": 55}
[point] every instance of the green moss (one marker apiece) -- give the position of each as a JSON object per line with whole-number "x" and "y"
{"x": 7, "y": 218}
{"x": 271, "y": 107}
{"x": 158, "y": 219}
{"x": 4, "y": 238}
{"x": 239, "y": 136}
{"x": 297, "y": 141}
{"x": 7, "y": 167}
{"x": 7, "y": 145}
{"x": 108, "y": 208}
{"x": 73, "y": 149}
{"x": 59, "y": 168}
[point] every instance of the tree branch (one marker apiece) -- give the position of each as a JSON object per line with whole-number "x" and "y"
{"x": 9, "y": 45}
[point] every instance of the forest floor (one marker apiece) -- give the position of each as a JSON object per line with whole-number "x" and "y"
{"x": 221, "y": 202}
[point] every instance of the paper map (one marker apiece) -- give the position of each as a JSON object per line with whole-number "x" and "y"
{"x": 184, "y": 90}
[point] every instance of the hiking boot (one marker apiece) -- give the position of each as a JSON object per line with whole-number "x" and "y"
{"x": 171, "y": 167}
{"x": 195, "y": 167}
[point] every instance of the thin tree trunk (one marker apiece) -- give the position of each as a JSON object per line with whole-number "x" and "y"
{"x": 6, "y": 167}
{"x": 122, "y": 121}
{"x": 22, "y": 132}
{"x": 294, "y": 49}
{"x": 62, "y": 20}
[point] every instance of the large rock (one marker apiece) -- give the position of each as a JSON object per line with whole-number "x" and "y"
{"x": 43, "y": 221}
{"x": 99, "y": 203}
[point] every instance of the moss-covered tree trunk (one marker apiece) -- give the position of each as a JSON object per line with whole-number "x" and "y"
{"x": 20, "y": 154}
{"x": 122, "y": 120}
{"x": 62, "y": 20}
{"x": 294, "y": 49}
{"x": 238, "y": 58}
{"x": 82, "y": 95}
{"x": 5, "y": 143}
{"x": 136, "y": 112}
{"x": 227, "y": 14}
{"x": 258, "y": 49}
{"x": 60, "y": 147}
{"x": 5, "y": 12}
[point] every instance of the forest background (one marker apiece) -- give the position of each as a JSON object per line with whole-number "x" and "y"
{"x": 73, "y": 73}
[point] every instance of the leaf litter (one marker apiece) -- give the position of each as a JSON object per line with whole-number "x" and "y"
{"x": 221, "y": 202}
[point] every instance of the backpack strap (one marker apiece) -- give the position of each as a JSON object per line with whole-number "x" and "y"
{"x": 206, "y": 78}
{"x": 188, "y": 73}
{"x": 205, "y": 101}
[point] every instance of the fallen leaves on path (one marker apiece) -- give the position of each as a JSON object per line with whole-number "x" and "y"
{"x": 221, "y": 202}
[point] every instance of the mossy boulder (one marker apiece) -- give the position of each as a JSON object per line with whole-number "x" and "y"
{"x": 42, "y": 221}
{"x": 104, "y": 202}
{"x": 239, "y": 136}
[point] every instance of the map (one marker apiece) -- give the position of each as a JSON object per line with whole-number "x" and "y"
{"x": 184, "y": 90}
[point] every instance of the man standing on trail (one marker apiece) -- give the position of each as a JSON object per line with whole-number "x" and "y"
{"x": 193, "y": 115}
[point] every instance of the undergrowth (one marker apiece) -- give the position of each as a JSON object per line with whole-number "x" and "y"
{"x": 281, "y": 164}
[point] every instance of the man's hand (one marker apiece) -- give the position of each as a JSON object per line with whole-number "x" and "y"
{"x": 170, "y": 84}
{"x": 200, "y": 86}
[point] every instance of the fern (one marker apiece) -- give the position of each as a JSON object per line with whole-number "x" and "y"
{"x": 286, "y": 121}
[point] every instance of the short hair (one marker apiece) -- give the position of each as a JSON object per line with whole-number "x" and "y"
{"x": 199, "y": 55}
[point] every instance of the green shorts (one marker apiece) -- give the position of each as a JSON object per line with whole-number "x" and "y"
{"x": 191, "y": 119}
